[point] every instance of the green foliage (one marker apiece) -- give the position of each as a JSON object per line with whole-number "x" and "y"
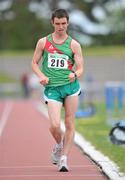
{"x": 23, "y": 31}
{"x": 87, "y": 8}
{"x": 24, "y": 28}
{"x": 110, "y": 39}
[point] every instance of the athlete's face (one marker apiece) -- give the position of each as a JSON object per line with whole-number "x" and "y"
{"x": 60, "y": 25}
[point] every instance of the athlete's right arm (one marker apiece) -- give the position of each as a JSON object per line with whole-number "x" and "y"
{"x": 36, "y": 59}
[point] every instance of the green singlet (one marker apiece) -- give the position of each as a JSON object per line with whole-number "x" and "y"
{"x": 57, "y": 62}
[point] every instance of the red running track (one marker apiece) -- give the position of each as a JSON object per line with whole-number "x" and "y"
{"x": 26, "y": 145}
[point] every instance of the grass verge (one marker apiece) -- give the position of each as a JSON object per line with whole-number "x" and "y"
{"x": 104, "y": 51}
{"x": 12, "y": 53}
{"x": 117, "y": 51}
{"x": 95, "y": 129}
{"x": 5, "y": 78}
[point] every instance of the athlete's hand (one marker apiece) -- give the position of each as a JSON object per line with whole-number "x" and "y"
{"x": 44, "y": 80}
{"x": 72, "y": 77}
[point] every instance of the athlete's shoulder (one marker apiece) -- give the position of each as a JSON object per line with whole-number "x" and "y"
{"x": 75, "y": 44}
{"x": 41, "y": 42}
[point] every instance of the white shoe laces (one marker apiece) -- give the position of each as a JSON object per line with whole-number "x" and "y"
{"x": 63, "y": 162}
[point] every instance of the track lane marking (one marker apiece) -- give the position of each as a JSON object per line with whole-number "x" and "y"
{"x": 23, "y": 167}
{"x": 54, "y": 175}
{"x": 4, "y": 117}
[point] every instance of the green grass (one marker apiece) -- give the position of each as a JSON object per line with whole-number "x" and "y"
{"x": 117, "y": 51}
{"x": 16, "y": 52}
{"x": 5, "y": 78}
{"x": 96, "y": 130}
{"x": 110, "y": 51}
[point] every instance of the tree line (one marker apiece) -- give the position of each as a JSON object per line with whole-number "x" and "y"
{"x": 20, "y": 28}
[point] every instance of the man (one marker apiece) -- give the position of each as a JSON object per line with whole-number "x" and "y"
{"x": 58, "y": 53}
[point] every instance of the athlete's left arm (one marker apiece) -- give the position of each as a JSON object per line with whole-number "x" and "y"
{"x": 78, "y": 58}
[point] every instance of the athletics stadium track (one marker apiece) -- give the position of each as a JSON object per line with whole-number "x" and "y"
{"x": 26, "y": 145}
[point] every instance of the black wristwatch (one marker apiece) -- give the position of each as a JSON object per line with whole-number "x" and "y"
{"x": 75, "y": 74}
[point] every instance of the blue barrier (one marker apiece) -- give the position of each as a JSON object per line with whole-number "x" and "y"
{"x": 86, "y": 112}
{"x": 114, "y": 102}
{"x": 85, "y": 109}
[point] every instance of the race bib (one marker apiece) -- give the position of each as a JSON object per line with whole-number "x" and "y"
{"x": 59, "y": 61}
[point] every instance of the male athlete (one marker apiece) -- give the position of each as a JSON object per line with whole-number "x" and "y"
{"x": 62, "y": 65}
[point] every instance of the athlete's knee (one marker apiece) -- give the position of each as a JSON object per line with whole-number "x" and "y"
{"x": 69, "y": 125}
{"x": 70, "y": 116}
{"x": 55, "y": 126}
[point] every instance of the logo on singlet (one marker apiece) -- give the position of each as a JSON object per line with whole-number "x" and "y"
{"x": 51, "y": 47}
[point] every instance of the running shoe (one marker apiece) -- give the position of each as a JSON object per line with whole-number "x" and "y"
{"x": 62, "y": 165}
{"x": 56, "y": 154}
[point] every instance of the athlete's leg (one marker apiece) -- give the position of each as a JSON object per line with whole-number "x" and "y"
{"x": 54, "y": 110}
{"x": 70, "y": 105}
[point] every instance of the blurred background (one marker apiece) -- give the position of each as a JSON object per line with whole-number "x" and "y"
{"x": 99, "y": 25}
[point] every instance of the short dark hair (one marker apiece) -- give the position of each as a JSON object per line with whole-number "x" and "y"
{"x": 60, "y": 13}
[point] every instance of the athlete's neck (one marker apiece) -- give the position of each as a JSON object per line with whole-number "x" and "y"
{"x": 59, "y": 38}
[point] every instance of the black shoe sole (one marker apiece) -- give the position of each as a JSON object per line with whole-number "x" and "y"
{"x": 55, "y": 163}
{"x": 63, "y": 169}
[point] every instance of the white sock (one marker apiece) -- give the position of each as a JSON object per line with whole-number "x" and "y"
{"x": 60, "y": 145}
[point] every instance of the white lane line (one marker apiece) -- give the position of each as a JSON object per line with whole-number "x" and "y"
{"x": 51, "y": 175}
{"x": 23, "y": 167}
{"x": 3, "y": 120}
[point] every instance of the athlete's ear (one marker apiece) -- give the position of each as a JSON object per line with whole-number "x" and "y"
{"x": 67, "y": 23}
{"x": 52, "y": 22}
